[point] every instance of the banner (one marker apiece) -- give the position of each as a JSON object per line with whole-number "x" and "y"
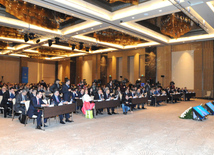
{"x": 24, "y": 74}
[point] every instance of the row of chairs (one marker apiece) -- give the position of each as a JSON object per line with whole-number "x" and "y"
{"x": 27, "y": 105}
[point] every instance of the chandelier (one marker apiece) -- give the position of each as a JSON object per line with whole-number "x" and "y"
{"x": 33, "y": 14}
{"x": 10, "y": 33}
{"x": 116, "y": 37}
{"x": 175, "y": 25}
{"x": 3, "y": 45}
{"x": 135, "y": 2}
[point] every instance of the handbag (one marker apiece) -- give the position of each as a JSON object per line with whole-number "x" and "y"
{"x": 89, "y": 114}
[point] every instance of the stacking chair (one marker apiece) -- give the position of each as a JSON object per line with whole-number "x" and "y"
{"x": 2, "y": 108}
{"x": 13, "y": 111}
{"x": 208, "y": 95}
{"x": 27, "y": 105}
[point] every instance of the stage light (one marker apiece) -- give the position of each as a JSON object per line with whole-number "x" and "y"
{"x": 73, "y": 46}
{"x": 38, "y": 41}
{"x": 57, "y": 40}
{"x": 50, "y": 43}
{"x": 87, "y": 49}
{"x": 81, "y": 45}
{"x": 31, "y": 36}
{"x": 26, "y": 39}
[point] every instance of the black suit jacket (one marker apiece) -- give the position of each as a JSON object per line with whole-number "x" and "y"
{"x": 18, "y": 101}
{"x": 6, "y": 96}
{"x": 66, "y": 93}
{"x": 33, "y": 105}
{"x": 55, "y": 87}
{"x": 106, "y": 96}
{"x": 97, "y": 97}
{"x": 53, "y": 98}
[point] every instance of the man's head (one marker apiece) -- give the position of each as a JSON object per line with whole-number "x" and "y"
{"x": 56, "y": 93}
{"x": 4, "y": 89}
{"x": 11, "y": 89}
{"x": 57, "y": 81}
{"x": 38, "y": 94}
{"x": 67, "y": 81}
{"x": 34, "y": 92}
{"x": 24, "y": 92}
{"x": 99, "y": 91}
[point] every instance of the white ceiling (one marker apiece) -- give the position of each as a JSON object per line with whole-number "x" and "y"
{"x": 123, "y": 20}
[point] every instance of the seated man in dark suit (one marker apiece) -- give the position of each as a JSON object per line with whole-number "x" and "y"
{"x": 3, "y": 90}
{"x": 36, "y": 102}
{"x": 57, "y": 99}
{"x": 20, "y": 100}
{"x": 99, "y": 96}
{"x": 66, "y": 90}
{"x": 7, "y": 101}
{"x": 82, "y": 92}
{"x": 106, "y": 97}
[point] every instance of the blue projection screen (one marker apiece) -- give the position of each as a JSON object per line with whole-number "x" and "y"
{"x": 199, "y": 110}
{"x": 210, "y": 107}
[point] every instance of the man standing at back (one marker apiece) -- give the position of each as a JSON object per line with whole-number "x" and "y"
{"x": 66, "y": 90}
{"x": 55, "y": 86}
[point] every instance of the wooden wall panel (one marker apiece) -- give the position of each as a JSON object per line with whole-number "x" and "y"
{"x": 137, "y": 53}
{"x": 9, "y": 68}
{"x": 208, "y": 67}
{"x": 164, "y": 65}
{"x": 109, "y": 68}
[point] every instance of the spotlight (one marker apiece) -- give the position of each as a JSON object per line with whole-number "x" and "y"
{"x": 38, "y": 41}
{"x": 31, "y": 36}
{"x": 81, "y": 45}
{"x": 73, "y": 46}
{"x": 87, "y": 49}
{"x": 57, "y": 40}
{"x": 26, "y": 38}
{"x": 50, "y": 43}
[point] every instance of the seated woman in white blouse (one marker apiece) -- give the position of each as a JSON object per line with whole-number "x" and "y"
{"x": 86, "y": 102}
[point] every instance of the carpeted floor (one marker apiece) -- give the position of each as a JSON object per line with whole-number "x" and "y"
{"x": 156, "y": 130}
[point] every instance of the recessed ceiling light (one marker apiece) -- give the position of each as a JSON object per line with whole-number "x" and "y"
{"x": 76, "y": 32}
{"x": 92, "y": 28}
{"x": 132, "y": 17}
{"x": 160, "y": 10}
{"x": 146, "y": 14}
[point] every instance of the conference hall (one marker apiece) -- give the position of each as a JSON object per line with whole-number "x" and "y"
{"x": 106, "y": 77}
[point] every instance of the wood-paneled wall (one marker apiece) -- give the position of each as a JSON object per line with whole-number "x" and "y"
{"x": 9, "y": 69}
{"x": 38, "y": 70}
{"x": 203, "y": 65}
{"x": 139, "y": 54}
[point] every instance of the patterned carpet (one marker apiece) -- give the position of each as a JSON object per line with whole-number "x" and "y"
{"x": 153, "y": 131}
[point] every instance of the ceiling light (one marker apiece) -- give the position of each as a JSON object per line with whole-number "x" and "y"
{"x": 31, "y": 36}
{"x": 132, "y": 17}
{"x": 81, "y": 45}
{"x": 57, "y": 40}
{"x": 73, "y": 47}
{"x": 38, "y": 41}
{"x": 87, "y": 49}
{"x": 146, "y": 14}
{"x": 160, "y": 10}
{"x": 26, "y": 39}
{"x": 50, "y": 43}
